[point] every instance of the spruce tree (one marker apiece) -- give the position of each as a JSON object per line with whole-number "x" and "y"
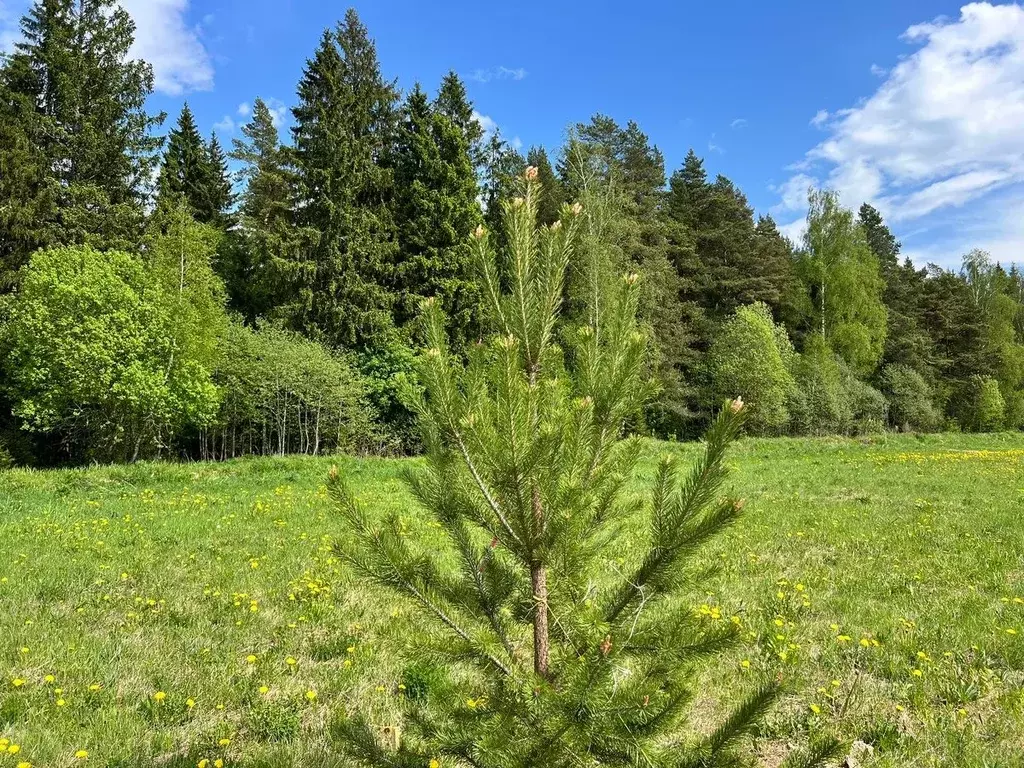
{"x": 731, "y": 269}
{"x": 188, "y": 174}
{"x": 267, "y": 241}
{"x": 343, "y": 135}
{"x": 453, "y": 102}
{"x": 562, "y": 661}
{"x": 222, "y": 196}
{"x": 436, "y": 210}
{"x": 502, "y": 165}
{"x": 76, "y": 152}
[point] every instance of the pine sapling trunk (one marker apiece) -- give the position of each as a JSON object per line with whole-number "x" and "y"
{"x": 539, "y": 581}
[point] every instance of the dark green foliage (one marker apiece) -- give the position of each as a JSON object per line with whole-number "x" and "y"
{"x": 195, "y": 173}
{"x": 436, "y": 209}
{"x": 222, "y": 197}
{"x": 76, "y": 152}
{"x": 345, "y": 124}
{"x": 502, "y": 165}
{"x": 732, "y": 264}
{"x": 549, "y": 208}
{"x": 265, "y": 246}
{"x": 524, "y": 476}
{"x": 881, "y": 240}
{"x": 453, "y": 102}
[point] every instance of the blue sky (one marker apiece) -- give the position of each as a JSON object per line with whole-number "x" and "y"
{"x": 916, "y": 106}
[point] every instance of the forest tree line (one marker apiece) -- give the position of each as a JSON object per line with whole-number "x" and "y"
{"x": 154, "y": 302}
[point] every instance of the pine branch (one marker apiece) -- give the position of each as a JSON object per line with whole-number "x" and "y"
{"x": 815, "y": 754}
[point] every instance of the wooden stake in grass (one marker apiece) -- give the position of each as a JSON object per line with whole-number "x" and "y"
{"x": 548, "y": 651}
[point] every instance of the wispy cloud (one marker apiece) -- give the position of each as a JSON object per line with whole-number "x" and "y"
{"x": 244, "y": 109}
{"x": 739, "y": 122}
{"x": 225, "y": 125}
{"x": 713, "y": 146}
{"x": 941, "y": 132}
{"x": 497, "y": 73}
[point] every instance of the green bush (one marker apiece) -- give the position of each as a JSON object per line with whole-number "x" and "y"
{"x": 283, "y": 393}
{"x": 95, "y": 355}
{"x": 983, "y": 408}
{"x": 868, "y": 407}
{"x": 820, "y": 405}
{"x": 911, "y": 405}
{"x": 751, "y": 358}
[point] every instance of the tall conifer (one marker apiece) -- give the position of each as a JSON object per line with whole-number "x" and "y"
{"x": 344, "y": 132}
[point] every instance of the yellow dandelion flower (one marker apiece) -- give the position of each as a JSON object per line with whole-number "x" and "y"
{"x": 311, "y": 695}
{"x": 251, "y": 659}
{"x": 290, "y": 661}
{"x": 815, "y": 709}
{"x": 60, "y": 702}
{"x": 190, "y": 703}
{"x": 225, "y": 742}
{"x": 82, "y": 754}
{"x": 95, "y": 687}
{"x": 49, "y": 679}
{"x": 864, "y": 642}
{"x": 745, "y": 663}
{"x": 13, "y": 749}
{"x": 203, "y": 763}
{"x": 218, "y": 763}
{"x": 435, "y": 764}
{"x": 159, "y": 696}
{"x": 17, "y": 682}
{"x": 916, "y": 672}
{"x": 24, "y": 764}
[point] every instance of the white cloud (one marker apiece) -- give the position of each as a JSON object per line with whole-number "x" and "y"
{"x": 497, "y": 73}
{"x": 278, "y": 111}
{"x": 487, "y": 123}
{"x": 942, "y": 130}
{"x": 225, "y": 125}
{"x": 714, "y": 147}
{"x": 244, "y": 109}
{"x": 164, "y": 38}
{"x": 878, "y": 71}
{"x": 516, "y": 143}
{"x": 739, "y": 122}
{"x": 793, "y": 192}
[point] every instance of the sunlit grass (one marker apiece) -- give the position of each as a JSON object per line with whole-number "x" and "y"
{"x": 169, "y": 614}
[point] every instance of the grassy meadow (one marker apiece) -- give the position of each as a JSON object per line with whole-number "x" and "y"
{"x": 165, "y": 615}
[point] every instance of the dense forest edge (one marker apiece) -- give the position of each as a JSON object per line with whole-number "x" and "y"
{"x": 155, "y": 304}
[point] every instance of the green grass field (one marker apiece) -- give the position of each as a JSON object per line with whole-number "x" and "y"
{"x": 167, "y": 614}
